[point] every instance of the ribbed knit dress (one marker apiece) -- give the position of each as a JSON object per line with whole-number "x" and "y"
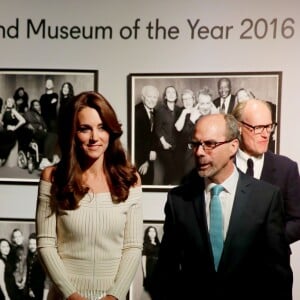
{"x": 94, "y": 250}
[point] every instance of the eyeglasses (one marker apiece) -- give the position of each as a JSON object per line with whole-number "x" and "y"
{"x": 258, "y": 129}
{"x": 206, "y": 145}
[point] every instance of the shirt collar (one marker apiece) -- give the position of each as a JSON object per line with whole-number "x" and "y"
{"x": 229, "y": 184}
{"x": 244, "y": 157}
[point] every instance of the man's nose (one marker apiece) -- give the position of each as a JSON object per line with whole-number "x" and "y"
{"x": 200, "y": 151}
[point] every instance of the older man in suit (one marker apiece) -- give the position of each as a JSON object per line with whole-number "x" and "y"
{"x": 257, "y": 125}
{"x": 226, "y": 101}
{"x": 145, "y": 142}
{"x": 251, "y": 260}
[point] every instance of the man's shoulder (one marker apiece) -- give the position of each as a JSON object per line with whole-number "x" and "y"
{"x": 232, "y": 97}
{"x": 189, "y": 183}
{"x": 139, "y": 105}
{"x": 279, "y": 159}
{"x": 217, "y": 100}
{"x": 256, "y": 183}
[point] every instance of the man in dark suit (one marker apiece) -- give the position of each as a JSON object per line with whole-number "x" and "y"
{"x": 226, "y": 101}
{"x": 145, "y": 148}
{"x": 257, "y": 126}
{"x": 254, "y": 262}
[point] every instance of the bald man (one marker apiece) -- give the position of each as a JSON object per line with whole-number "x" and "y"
{"x": 256, "y": 125}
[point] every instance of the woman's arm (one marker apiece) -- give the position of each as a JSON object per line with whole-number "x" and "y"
{"x": 144, "y": 265}
{"x": 179, "y": 124}
{"x": 132, "y": 247}
{"x": 2, "y": 282}
{"x": 19, "y": 117}
{"x": 47, "y": 238}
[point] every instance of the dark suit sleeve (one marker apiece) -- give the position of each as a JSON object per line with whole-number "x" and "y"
{"x": 278, "y": 251}
{"x": 291, "y": 193}
{"x": 166, "y": 282}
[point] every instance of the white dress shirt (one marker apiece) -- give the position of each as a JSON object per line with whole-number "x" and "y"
{"x": 226, "y": 102}
{"x": 226, "y": 197}
{"x": 241, "y": 162}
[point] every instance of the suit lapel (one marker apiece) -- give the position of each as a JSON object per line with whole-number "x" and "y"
{"x": 196, "y": 192}
{"x": 242, "y": 195}
{"x": 268, "y": 168}
{"x": 231, "y": 104}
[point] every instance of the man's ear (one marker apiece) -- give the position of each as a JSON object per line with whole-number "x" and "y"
{"x": 234, "y": 146}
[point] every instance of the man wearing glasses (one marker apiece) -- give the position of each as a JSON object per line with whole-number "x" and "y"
{"x": 224, "y": 231}
{"x": 256, "y": 127}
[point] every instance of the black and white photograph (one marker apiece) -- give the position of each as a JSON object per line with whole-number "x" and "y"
{"x": 139, "y": 289}
{"x": 164, "y": 108}
{"x": 24, "y": 275}
{"x": 31, "y": 102}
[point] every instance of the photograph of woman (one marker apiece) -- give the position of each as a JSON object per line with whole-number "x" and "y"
{"x": 8, "y": 287}
{"x": 149, "y": 255}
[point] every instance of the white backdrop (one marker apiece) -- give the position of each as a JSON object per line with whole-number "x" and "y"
{"x": 272, "y": 44}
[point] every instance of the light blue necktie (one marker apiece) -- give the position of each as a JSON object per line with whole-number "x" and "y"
{"x": 216, "y": 224}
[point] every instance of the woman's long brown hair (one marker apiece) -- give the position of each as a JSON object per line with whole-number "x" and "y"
{"x": 67, "y": 187}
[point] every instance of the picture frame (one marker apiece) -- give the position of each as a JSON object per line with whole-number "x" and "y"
{"x": 21, "y": 156}
{"x": 20, "y": 237}
{"x": 138, "y": 288}
{"x": 264, "y": 85}
{"x": 7, "y": 225}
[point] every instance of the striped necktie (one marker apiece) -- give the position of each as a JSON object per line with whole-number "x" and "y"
{"x": 216, "y": 224}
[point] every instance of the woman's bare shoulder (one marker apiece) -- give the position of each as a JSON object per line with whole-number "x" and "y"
{"x": 139, "y": 181}
{"x": 47, "y": 173}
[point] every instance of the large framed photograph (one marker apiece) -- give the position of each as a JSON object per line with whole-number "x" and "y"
{"x": 139, "y": 289}
{"x": 163, "y": 109}
{"x": 22, "y": 268}
{"x": 30, "y": 103}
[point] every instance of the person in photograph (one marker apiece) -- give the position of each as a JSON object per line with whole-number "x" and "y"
{"x": 226, "y": 101}
{"x": 1, "y": 105}
{"x": 36, "y": 125}
{"x": 89, "y": 212}
{"x": 149, "y": 255}
{"x": 145, "y": 143}
{"x": 21, "y": 99}
{"x": 66, "y": 93}
{"x": 243, "y": 94}
{"x": 8, "y": 288}
{"x": 20, "y": 269}
{"x": 36, "y": 284}
{"x": 167, "y": 113}
{"x": 17, "y": 238}
{"x": 227, "y": 245}
{"x": 12, "y": 122}
{"x": 205, "y": 105}
{"x": 17, "y": 244}
{"x": 185, "y": 127}
{"x": 49, "y": 110}
{"x": 256, "y": 125}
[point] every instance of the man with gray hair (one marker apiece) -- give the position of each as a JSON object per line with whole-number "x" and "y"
{"x": 253, "y": 157}
{"x": 145, "y": 142}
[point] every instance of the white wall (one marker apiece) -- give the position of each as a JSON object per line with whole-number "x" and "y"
{"x": 115, "y": 58}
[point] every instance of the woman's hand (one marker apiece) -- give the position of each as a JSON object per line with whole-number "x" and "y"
{"x": 108, "y": 297}
{"x": 76, "y": 296}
